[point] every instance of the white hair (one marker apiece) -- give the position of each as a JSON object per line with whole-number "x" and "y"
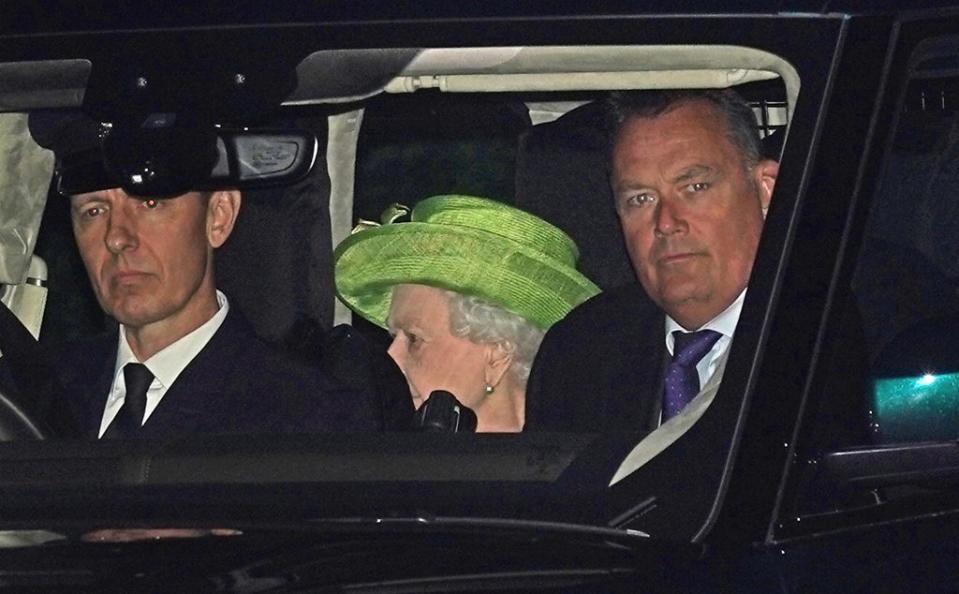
{"x": 482, "y": 322}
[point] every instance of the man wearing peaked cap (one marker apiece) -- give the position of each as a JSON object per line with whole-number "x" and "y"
{"x": 147, "y": 219}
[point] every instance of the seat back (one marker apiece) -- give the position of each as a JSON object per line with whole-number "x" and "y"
{"x": 28, "y": 300}
{"x": 562, "y": 176}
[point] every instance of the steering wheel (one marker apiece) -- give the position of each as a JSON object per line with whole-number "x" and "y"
{"x": 22, "y": 365}
{"x": 15, "y": 423}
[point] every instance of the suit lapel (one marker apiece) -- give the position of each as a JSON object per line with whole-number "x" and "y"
{"x": 198, "y": 395}
{"x": 664, "y": 436}
{"x": 652, "y": 401}
{"x": 647, "y": 388}
{"x": 101, "y": 358}
{"x": 633, "y": 391}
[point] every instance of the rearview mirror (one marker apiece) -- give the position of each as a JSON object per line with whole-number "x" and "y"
{"x": 263, "y": 158}
{"x": 171, "y": 161}
{"x": 164, "y": 155}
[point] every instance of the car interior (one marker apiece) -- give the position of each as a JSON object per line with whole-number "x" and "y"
{"x": 517, "y": 124}
{"x": 521, "y": 125}
{"x": 331, "y": 118}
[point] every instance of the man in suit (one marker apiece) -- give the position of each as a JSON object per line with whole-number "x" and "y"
{"x": 182, "y": 361}
{"x": 691, "y": 192}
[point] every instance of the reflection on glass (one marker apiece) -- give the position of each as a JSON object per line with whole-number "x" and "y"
{"x": 916, "y": 408}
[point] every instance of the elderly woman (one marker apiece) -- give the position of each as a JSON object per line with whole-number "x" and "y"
{"x": 467, "y": 288}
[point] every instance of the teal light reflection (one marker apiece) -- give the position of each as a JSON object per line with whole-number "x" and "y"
{"x": 917, "y": 408}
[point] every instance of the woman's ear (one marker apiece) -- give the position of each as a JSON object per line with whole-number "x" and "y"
{"x": 499, "y": 358}
{"x": 221, "y": 213}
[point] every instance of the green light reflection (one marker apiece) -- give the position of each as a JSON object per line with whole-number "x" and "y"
{"x": 917, "y": 408}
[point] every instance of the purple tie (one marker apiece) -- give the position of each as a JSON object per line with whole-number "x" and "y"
{"x": 682, "y": 382}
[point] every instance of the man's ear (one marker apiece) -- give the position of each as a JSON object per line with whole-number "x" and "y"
{"x": 221, "y": 213}
{"x": 765, "y": 174}
{"x": 498, "y": 361}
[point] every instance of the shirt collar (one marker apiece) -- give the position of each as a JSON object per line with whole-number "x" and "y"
{"x": 167, "y": 364}
{"x": 724, "y": 323}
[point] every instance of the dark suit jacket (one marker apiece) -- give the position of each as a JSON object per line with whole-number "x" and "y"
{"x": 600, "y": 369}
{"x": 236, "y": 384}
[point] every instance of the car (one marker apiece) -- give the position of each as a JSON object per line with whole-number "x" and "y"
{"x": 827, "y": 459}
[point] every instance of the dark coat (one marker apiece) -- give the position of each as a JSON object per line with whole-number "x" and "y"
{"x": 600, "y": 369}
{"x": 236, "y": 384}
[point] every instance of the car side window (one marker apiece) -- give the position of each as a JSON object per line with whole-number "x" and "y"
{"x": 907, "y": 275}
{"x": 892, "y": 378}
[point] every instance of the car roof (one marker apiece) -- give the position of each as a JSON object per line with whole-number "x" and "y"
{"x": 53, "y": 16}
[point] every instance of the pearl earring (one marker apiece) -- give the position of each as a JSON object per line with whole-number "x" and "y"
{"x": 488, "y": 389}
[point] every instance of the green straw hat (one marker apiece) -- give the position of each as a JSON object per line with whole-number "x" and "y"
{"x": 470, "y": 245}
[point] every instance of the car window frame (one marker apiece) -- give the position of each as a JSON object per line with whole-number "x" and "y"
{"x": 908, "y": 35}
{"x": 782, "y": 36}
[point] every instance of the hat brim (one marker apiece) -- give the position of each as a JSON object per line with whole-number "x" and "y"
{"x": 523, "y": 281}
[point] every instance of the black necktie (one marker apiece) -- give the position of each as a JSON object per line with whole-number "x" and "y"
{"x": 129, "y": 418}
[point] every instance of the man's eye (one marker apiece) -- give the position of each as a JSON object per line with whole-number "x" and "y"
{"x": 92, "y": 212}
{"x": 151, "y": 203}
{"x": 643, "y": 199}
{"x": 698, "y": 187}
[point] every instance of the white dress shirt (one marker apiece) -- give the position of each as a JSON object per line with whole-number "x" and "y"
{"x": 165, "y": 365}
{"x": 724, "y": 323}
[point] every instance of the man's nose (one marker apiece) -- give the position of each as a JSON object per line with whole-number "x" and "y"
{"x": 669, "y": 218}
{"x": 121, "y": 232}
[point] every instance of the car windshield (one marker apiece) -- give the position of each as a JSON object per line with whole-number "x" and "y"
{"x": 325, "y": 131}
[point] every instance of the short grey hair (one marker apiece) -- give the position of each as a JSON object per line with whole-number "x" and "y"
{"x": 481, "y": 322}
{"x": 737, "y": 116}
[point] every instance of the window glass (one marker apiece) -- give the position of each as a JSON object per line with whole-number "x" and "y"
{"x": 905, "y": 282}
{"x": 907, "y": 274}
{"x": 892, "y": 372}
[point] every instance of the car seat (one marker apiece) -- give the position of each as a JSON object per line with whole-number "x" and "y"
{"x": 28, "y": 299}
{"x": 277, "y": 268}
{"x": 563, "y": 177}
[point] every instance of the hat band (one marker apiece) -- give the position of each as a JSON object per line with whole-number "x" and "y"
{"x": 499, "y": 219}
